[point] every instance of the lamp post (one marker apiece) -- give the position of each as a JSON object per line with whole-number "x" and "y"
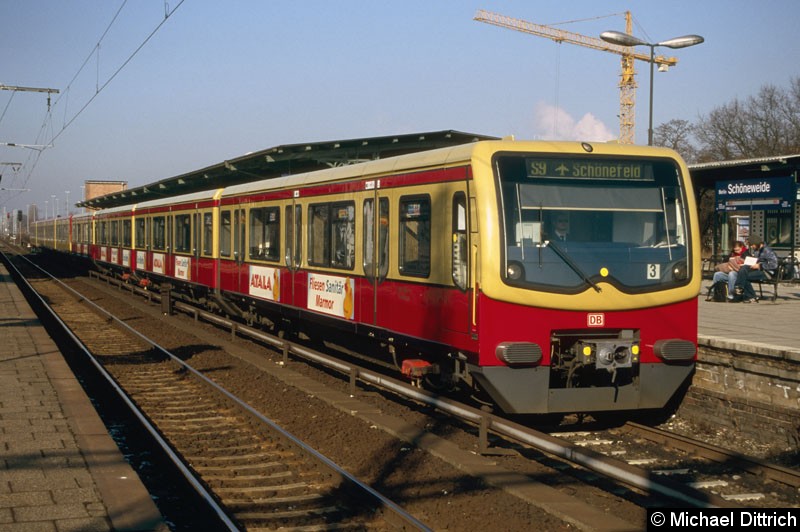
{"x": 623, "y": 39}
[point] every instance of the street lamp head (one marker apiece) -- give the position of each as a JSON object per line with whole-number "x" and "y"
{"x": 622, "y": 39}
{"x": 682, "y": 42}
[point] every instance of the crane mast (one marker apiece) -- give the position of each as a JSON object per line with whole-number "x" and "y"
{"x": 627, "y": 84}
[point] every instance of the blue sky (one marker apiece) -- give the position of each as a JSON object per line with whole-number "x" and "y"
{"x": 220, "y": 79}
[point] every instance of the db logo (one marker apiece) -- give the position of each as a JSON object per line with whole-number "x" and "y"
{"x": 596, "y": 320}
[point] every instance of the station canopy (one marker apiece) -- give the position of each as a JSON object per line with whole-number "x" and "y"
{"x": 285, "y": 160}
{"x": 706, "y": 175}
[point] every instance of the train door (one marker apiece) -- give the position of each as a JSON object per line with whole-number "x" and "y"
{"x": 207, "y": 264}
{"x": 293, "y": 236}
{"x": 241, "y": 273}
{"x": 169, "y": 265}
{"x": 226, "y": 265}
{"x": 197, "y": 225}
{"x": 460, "y": 251}
{"x": 376, "y": 255}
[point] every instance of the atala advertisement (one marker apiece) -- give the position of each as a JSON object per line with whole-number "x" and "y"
{"x": 265, "y": 283}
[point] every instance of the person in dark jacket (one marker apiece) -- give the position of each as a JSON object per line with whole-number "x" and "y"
{"x": 765, "y": 267}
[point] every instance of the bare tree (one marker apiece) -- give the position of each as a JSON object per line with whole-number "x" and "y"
{"x": 678, "y": 135}
{"x": 760, "y": 126}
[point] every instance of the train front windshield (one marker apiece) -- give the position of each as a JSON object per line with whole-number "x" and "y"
{"x": 571, "y": 222}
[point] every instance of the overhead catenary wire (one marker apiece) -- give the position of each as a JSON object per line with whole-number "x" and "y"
{"x": 47, "y": 125}
{"x": 99, "y": 88}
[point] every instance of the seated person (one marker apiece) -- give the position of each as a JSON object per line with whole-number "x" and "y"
{"x": 765, "y": 267}
{"x": 559, "y": 227}
{"x": 728, "y": 270}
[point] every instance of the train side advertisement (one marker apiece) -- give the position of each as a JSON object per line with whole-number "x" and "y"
{"x": 331, "y": 294}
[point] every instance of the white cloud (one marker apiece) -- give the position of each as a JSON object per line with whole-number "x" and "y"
{"x": 554, "y": 123}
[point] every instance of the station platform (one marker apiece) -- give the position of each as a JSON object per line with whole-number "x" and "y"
{"x": 59, "y": 468}
{"x": 766, "y": 327}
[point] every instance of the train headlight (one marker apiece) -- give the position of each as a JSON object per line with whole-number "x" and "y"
{"x": 515, "y": 271}
{"x": 680, "y": 271}
{"x": 519, "y": 353}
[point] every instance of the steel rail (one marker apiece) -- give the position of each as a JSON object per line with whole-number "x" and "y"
{"x": 396, "y": 512}
{"x": 187, "y": 474}
{"x": 774, "y": 472}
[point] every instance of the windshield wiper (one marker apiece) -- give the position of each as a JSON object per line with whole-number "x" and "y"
{"x": 569, "y": 262}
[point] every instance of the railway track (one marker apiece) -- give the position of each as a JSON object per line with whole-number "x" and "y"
{"x": 261, "y": 477}
{"x": 644, "y": 481}
{"x": 727, "y": 476}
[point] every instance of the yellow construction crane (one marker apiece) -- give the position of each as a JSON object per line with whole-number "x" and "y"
{"x": 627, "y": 84}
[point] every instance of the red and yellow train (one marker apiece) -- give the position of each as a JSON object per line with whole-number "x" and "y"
{"x": 452, "y": 257}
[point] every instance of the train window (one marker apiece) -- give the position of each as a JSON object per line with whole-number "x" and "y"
{"x": 319, "y": 235}
{"x": 225, "y": 233}
{"x": 208, "y": 233}
{"x": 415, "y": 236}
{"x": 376, "y": 259}
{"x": 114, "y": 233}
{"x": 459, "y": 250}
{"x": 102, "y": 233}
{"x": 183, "y": 233}
{"x": 294, "y": 219}
{"x": 126, "y": 233}
{"x": 265, "y": 233}
{"x": 331, "y": 235}
{"x": 343, "y": 235}
{"x": 159, "y": 233}
{"x": 140, "y": 233}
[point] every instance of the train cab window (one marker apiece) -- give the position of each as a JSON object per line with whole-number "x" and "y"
{"x": 208, "y": 233}
{"x": 376, "y": 258}
{"x": 225, "y": 233}
{"x": 126, "y": 233}
{"x": 183, "y": 233}
{"x": 415, "y": 236}
{"x": 459, "y": 250}
{"x": 140, "y": 233}
{"x": 265, "y": 233}
{"x": 159, "y": 233}
{"x": 294, "y": 223}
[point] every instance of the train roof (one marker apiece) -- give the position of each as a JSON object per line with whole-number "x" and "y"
{"x": 283, "y": 160}
{"x": 430, "y": 158}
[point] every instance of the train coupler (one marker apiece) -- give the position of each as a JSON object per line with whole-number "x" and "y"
{"x": 415, "y": 369}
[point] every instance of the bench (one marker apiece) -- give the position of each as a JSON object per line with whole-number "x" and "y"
{"x": 773, "y": 282}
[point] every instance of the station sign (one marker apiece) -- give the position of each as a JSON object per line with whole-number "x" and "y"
{"x": 755, "y": 194}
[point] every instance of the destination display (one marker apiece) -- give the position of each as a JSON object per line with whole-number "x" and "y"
{"x": 627, "y": 170}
